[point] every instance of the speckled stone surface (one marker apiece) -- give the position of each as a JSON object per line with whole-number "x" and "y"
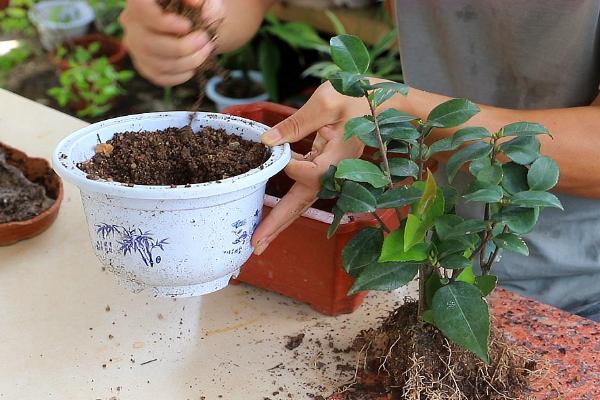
{"x": 568, "y": 347}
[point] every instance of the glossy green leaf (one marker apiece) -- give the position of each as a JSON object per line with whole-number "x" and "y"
{"x": 269, "y": 61}
{"x": 384, "y": 276}
{"x": 363, "y": 128}
{"x": 543, "y": 174}
{"x": 399, "y": 131}
{"x": 450, "y": 246}
{"x": 363, "y": 249}
{"x": 463, "y": 316}
{"x": 350, "y": 53}
{"x": 393, "y": 116}
{"x": 467, "y": 227}
{"x": 393, "y": 249}
{"x": 469, "y": 134}
{"x": 522, "y": 150}
{"x": 444, "y": 224}
{"x": 441, "y": 145}
{"x": 514, "y": 178}
{"x": 478, "y": 164}
{"x": 338, "y": 214}
{"x": 395, "y": 87}
{"x": 524, "y": 129}
{"x": 455, "y": 261}
{"x": 414, "y": 231}
{"x": 328, "y": 179}
{"x": 399, "y": 197}
{"x": 452, "y": 113}
{"x": 429, "y": 194}
{"x": 490, "y": 174}
{"x": 427, "y": 316}
{"x": 403, "y": 167}
{"x": 486, "y": 283}
{"x": 512, "y": 242}
{"x": 471, "y": 152}
{"x": 347, "y": 83}
{"x": 356, "y": 198}
{"x": 432, "y": 284}
{"x": 450, "y": 197}
{"x": 534, "y": 198}
{"x": 467, "y": 276}
{"x": 519, "y": 220}
{"x": 491, "y": 194}
{"x": 361, "y": 171}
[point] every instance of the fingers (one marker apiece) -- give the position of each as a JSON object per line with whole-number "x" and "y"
{"x": 149, "y": 14}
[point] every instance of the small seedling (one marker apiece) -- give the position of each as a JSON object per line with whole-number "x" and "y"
{"x": 452, "y": 256}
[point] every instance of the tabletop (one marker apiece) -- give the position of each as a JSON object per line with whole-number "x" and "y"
{"x": 68, "y": 331}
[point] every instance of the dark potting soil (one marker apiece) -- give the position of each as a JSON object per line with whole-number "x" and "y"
{"x": 174, "y": 156}
{"x": 240, "y": 88}
{"x": 20, "y": 199}
{"x": 415, "y": 361}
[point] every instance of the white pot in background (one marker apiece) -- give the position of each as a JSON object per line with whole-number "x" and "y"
{"x": 77, "y": 14}
{"x": 222, "y": 101}
{"x": 183, "y": 241}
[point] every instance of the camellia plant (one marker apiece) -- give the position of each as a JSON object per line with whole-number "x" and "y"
{"x": 451, "y": 256}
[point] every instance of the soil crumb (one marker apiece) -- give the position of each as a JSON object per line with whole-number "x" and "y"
{"x": 294, "y": 341}
{"x": 415, "y": 361}
{"x": 20, "y": 199}
{"x": 174, "y": 156}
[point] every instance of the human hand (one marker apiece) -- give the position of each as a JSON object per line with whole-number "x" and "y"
{"x": 326, "y": 113}
{"x": 162, "y": 45}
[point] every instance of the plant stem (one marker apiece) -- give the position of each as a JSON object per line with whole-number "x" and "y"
{"x": 381, "y": 223}
{"x": 424, "y": 132}
{"x": 424, "y": 272}
{"x": 382, "y": 146}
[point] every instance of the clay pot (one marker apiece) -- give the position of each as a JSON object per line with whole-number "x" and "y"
{"x": 36, "y": 170}
{"x": 302, "y": 263}
{"x": 110, "y": 47}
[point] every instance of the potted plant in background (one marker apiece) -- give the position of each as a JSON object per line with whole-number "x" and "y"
{"x": 60, "y": 20}
{"x": 13, "y": 17}
{"x": 90, "y": 85}
{"x": 449, "y": 347}
{"x": 87, "y": 48}
{"x": 107, "y": 16}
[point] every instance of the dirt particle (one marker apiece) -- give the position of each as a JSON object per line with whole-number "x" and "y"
{"x": 294, "y": 341}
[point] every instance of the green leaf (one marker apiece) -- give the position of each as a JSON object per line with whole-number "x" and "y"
{"x": 519, "y": 220}
{"x": 452, "y": 113}
{"x": 490, "y": 174}
{"x": 399, "y": 197}
{"x": 338, "y": 214}
{"x": 491, "y": 194}
{"x": 359, "y": 126}
{"x": 384, "y": 276}
{"x": 432, "y": 284}
{"x": 350, "y": 53}
{"x": 543, "y": 174}
{"x": 478, "y": 164}
{"x": 399, "y": 131}
{"x": 269, "y": 60}
{"x": 512, "y": 242}
{"x": 347, "y": 83}
{"x": 403, "y": 167}
{"x": 450, "y": 198}
{"x": 427, "y": 316}
{"x": 395, "y": 87}
{"x": 463, "y": 317}
{"x": 486, "y": 283}
{"x": 429, "y": 195}
{"x": 363, "y": 249}
{"x": 467, "y": 227}
{"x": 451, "y": 246}
{"x": 534, "y": 198}
{"x": 393, "y": 249}
{"x": 328, "y": 179}
{"x": 361, "y": 171}
{"x": 393, "y": 116}
{"x": 455, "y": 261}
{"x": 441, "y": 145}
{"x": 524, "y": 129}
{"x": 469, "y": 134}
{"x": 522, "y": 150}
{"x": 414, "y": 231}
{"x": 514, "y": 178}
{"x": 356, "y": 198}
{"x": 471, "y": 152}
{"x": 444, "y": 224}
{"x": 467, "y": 276}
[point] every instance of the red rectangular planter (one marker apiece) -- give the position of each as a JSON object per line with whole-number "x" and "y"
{"x": 302, "y": 263}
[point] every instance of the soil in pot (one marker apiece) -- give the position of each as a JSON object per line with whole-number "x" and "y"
{"x": 20, "y": 199}
{"x": 174, "y": 156}
{"x": 415, "y": 361}
{"x": 240, "y": 88}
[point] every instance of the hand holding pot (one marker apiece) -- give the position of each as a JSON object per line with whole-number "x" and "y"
{"x": 326, "y": 113}
{"x": 163, "y": 47}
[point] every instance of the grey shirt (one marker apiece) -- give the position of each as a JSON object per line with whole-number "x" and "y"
{"x": 520, "y": 54}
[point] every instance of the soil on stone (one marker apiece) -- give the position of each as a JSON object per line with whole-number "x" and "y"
{"x": 415, "y": 361}
{"x": 294, "y": 341}
{"x": 240, "y": 88}
{"x": 20, "y": 199}
{"x": 174, "y": 156}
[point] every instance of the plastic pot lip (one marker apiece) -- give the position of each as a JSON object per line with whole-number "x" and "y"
{"x": 215, "y": 96}
{"x": 66, "y": 167}
{"x": 37, "y": 17}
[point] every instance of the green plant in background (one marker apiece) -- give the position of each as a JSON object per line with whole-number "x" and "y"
{"x": 12, "y": 59}
{"x": 263, "y": 52}
{"x": 384, "y": 56}
{"x": 92, "y": 82}
{"x": 14, "y": 19}
{"x": 434, "y": 243}
{"x": 107, "y": 16}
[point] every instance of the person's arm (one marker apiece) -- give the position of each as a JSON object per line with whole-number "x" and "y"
{"x": 165, "y": 50}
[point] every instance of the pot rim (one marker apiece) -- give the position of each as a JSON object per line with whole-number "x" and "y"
{"x": 66, "y": 167}
{"x": 36, "y": 15}
{"x": 213, "y": 94}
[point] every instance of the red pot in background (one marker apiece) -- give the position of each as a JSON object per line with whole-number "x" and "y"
{"x": 4, "y": 4}
{"x": 302, "y": 263}
{"x": 110, "y": 47}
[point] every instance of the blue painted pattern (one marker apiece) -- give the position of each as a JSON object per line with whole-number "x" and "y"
{"x": 130, "y": 241}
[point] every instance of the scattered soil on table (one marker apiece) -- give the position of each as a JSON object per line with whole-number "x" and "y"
{"x": 174, "y": 156}
{"x": 415, "y": 361}
{"x": 294, "y": 341}
{"x": 240, "y": 88}
{"x": 20, "y": 199}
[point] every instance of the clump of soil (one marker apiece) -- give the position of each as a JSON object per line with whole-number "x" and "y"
{"x": 174, "y": 156}
{"x": 417, "y": 362}
{"x": 20, "y": 199}
{"x": 240, "y": 88}
{"x": 294, "y": 341}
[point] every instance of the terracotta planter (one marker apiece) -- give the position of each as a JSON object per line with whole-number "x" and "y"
{"x": 302, "y": 263}
{"x": 111, "y": 48}
{"x": 36, "y": 170}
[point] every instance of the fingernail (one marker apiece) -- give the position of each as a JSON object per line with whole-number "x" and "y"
{"x": 272, "y": 137}
{"x": 261, "y": 246}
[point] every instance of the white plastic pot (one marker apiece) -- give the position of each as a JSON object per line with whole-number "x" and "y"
{"x": 222, "y": 102}
{"x": 179, "y": 242}
{"x": 78, "y": 15}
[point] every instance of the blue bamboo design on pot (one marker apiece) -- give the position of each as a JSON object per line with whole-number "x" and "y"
{"x": 134, "y": 241}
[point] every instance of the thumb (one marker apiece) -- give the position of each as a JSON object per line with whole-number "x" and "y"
{"x": 308, "y": 119}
